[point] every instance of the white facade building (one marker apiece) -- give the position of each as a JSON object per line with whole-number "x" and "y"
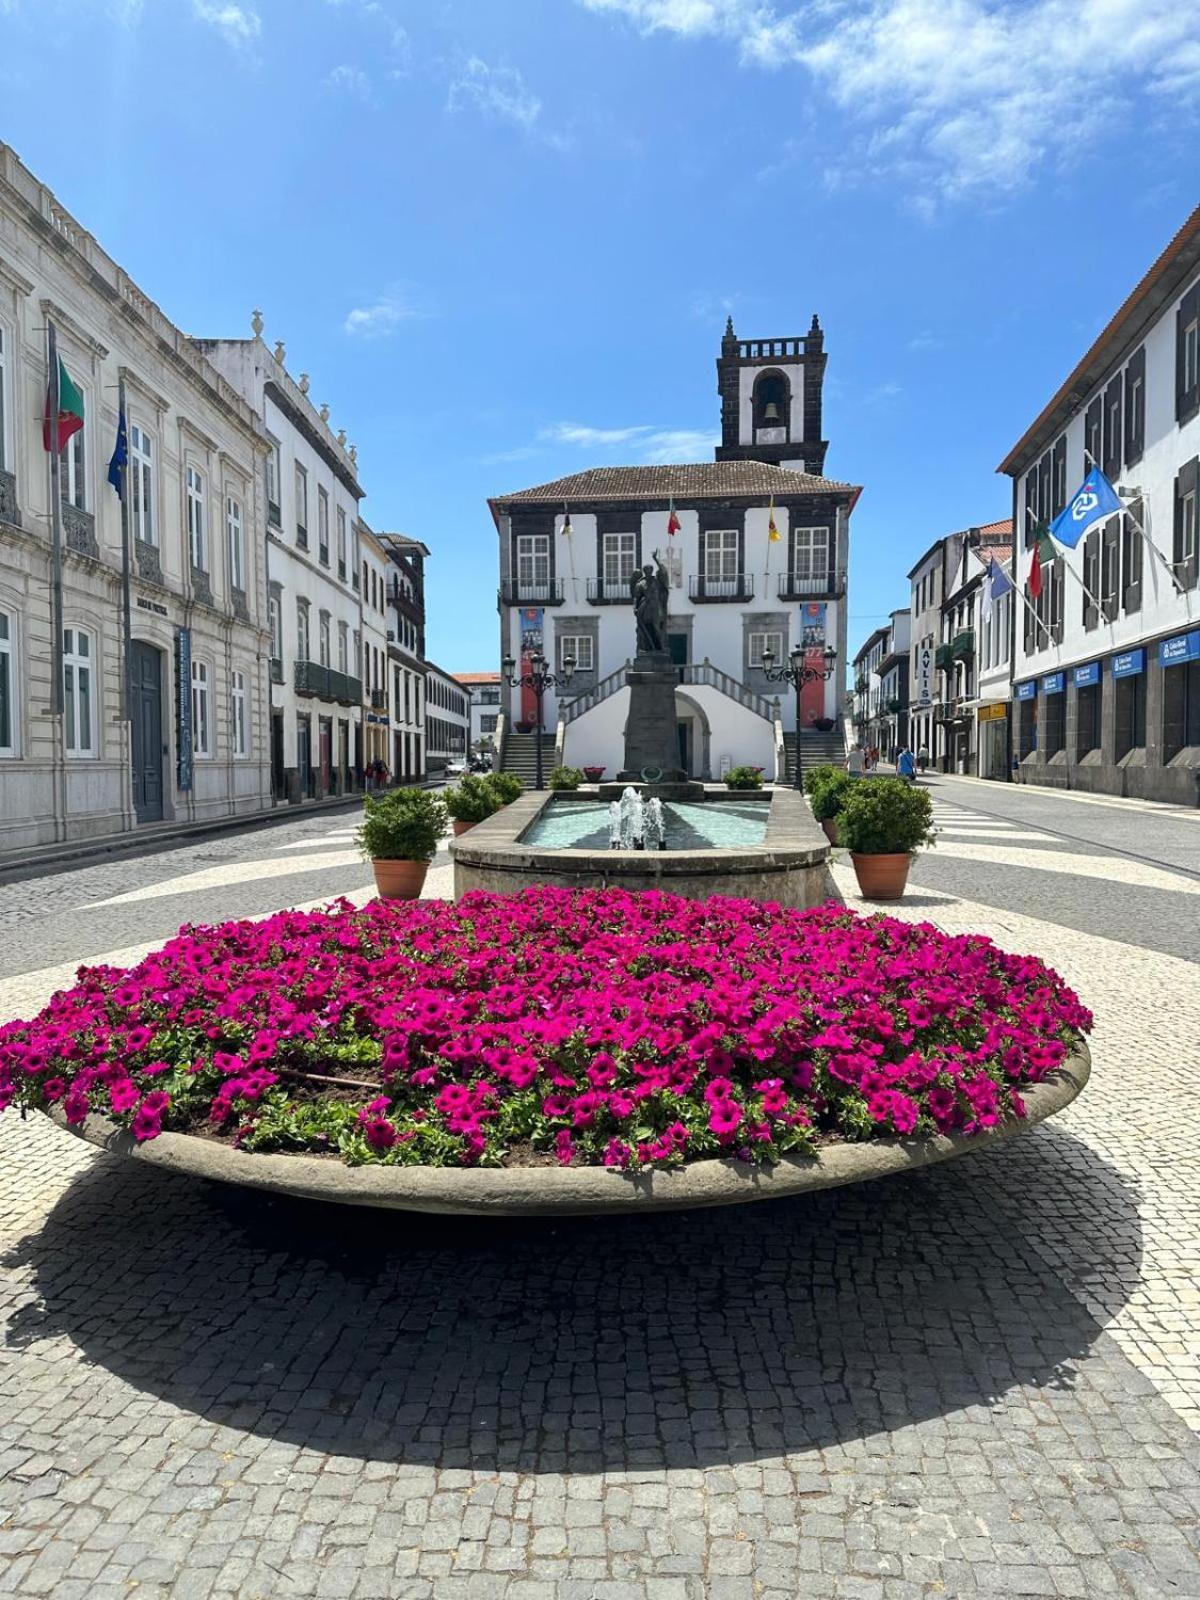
{"x": 447, "y": 719}
{"x": 371, "y": 652}
{"x": 312, "y": 494}
{"x": 1107, "y": 681}
{"x": 484, "y": 690}
{"x": 406, "y": 654}
{"x": 190, "y": 741}
{"x": 881, "y": 670}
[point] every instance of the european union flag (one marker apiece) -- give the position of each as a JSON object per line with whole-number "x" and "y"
{"x": 120, "y": 455}
{"x": 1094, "y": 498}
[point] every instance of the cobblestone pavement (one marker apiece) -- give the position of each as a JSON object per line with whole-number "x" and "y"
{"x": 977, "y": 1380}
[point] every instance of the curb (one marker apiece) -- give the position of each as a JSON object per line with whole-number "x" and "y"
{"x": 570, "y": 1191}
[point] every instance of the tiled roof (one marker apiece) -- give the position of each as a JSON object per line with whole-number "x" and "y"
{"x": 476, "y": 677}
{"x": 693, "y": 481}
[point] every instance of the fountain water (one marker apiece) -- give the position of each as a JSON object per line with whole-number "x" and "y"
{"x": 635, "y": 823}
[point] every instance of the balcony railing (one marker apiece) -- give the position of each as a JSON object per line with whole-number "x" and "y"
{"x": 325, "y": 683}
{"x": 609, "y": 592}
{"x": 794, "y": 587}
{"x": 276, "y": 670}
{"x": 531, "y": 592}
{"x": 379, "y": 700}
{"x": 737, "y": 586}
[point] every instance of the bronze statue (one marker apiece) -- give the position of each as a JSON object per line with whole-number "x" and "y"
{"x": 650, "y": 590}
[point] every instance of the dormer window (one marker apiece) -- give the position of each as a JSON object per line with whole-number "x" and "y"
{"x": 772, "y": 408}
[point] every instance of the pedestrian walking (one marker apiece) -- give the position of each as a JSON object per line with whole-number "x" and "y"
{"x": 922, "y": 758}
{"x": 854, "y": 762}
{"x": 906, "y": 766}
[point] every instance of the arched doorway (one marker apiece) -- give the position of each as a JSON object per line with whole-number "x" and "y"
{"x": 694, "y": 735}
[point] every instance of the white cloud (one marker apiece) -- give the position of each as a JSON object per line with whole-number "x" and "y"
{"x": 351, "y": 81}
{"x": 381, "y": 317}
{"x": 499, "y": 92}
{"x": 591, "y": 438}
{"x": 239, "y": 25}
{"x": 650, "y": 444}
{"x": 958, "y": 97}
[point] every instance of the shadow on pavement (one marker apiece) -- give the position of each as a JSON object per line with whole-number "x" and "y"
{"x": 684, "y": 1340}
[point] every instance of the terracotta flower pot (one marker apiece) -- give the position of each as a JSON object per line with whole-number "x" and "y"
{"x": 829, "y": 828}
{"x": 460, "y": 826}
{"x": 881, "y": 877}
{"x": 400, "y": 880}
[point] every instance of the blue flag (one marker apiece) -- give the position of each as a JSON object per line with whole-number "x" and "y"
{"x": 1094, "y": 498}
{"x": 120, "y": 455}
{"x": 995, "y": 583}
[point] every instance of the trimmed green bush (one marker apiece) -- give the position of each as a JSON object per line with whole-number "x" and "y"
{"x": 828, "y": 797}
{"x": 565, "y": 778}
{"x": 743, "y": 778}
{"x": 403, "y": 825}
{"x": 506, "y": 785}
{"x": 885, "y": 816}
{"x": 472, "y": 800}
{"x": 816, "y": 777}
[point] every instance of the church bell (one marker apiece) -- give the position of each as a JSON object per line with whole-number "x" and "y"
{"x": 771, "y": 412}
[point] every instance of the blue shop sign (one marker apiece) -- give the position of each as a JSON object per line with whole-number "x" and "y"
{"x": 1129, "y": 663}
{"x": 1087, "y": 677}
{"x": 1183, "y": 647}
{"x": 1054, "y": 682}
{"x": 1027, "y": 691}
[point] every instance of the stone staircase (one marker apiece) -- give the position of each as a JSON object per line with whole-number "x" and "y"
{"x": 819, "y": 749}
{"x": 520, "y": 756}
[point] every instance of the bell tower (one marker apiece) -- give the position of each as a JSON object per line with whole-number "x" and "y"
{"x": 771, "y": 399}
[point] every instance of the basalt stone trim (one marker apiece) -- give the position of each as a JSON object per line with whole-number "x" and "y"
{"x": 567, "y": 1191}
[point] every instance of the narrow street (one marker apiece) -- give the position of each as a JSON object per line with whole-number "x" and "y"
{"x": 982, "y": 1379}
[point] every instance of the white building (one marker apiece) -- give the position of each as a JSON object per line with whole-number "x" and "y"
{"x": 736, "y": 592}
{"x": 191, "y": 743}
{"x": 371, "y": 654}
{"x": 1107, "y": 681}
{"x": 406, "y": 654}
{"x": 312, "y": 493}
{"x": 447, "y": 719}
{"x": 881, "y": 670}
{"x": 484, "y": 690}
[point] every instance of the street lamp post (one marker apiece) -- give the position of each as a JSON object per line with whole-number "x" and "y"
{"x": 539, "y": 678}
{"x": 797, "y": 672}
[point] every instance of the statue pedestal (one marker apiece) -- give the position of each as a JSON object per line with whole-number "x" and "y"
{"x": 651, "y": 733}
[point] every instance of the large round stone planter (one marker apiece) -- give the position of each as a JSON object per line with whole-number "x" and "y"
{"x": 566, "y": 1191}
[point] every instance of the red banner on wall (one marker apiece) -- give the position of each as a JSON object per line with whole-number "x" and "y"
{"x": 812, "y": 638}
{"x": 532, "y": 630}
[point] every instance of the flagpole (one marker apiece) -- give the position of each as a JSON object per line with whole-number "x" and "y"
{"x": 57, "y": 687}
{"x": 1146, "y": 539}
{"x": 126, "y": 575}
{"x": 1078, "y": 576}
{"x": 1016, "y": 587}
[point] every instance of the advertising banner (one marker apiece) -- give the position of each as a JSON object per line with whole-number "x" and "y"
{"x": 532, "y": 634}
{"x": 1087, "y": 677}
{"x": 1183, "y": 647}
{"x": 813, "y": 639}
{"x": 183, "y": 703}
{"x": 925, "y": 675}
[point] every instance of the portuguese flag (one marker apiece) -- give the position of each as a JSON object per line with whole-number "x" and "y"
{"x": 673, "y": 522}
{"x": 1043, "y": 551}
{"x": 70, "y": 409}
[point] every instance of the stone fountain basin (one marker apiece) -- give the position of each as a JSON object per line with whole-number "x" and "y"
{"x": 572, "y": 1191}
{"x": 790, "y": 866}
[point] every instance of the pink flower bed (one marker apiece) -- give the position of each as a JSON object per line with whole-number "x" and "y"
{"x": 588, "y": 1027}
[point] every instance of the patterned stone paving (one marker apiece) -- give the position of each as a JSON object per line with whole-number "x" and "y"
{"x": 976, "y": 1380}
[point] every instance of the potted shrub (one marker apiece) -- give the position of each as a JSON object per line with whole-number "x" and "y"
{"x": 565, "y": 778}
{"x": 882, "y": 823}
{"x": 505, "y": 785}
{"x": 744, "y": 778}
{"x": 593, "y": 774}
{"x": 823, "y": 724}
{"x": 399, "y": 835}
{"x": 827, "y": 795}
{"x": 472, "y": 800}
{"x": 522, "y": 727}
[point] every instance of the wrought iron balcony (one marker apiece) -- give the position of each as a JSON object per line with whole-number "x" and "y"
{"x": 737, "y": 586}
{"x": 609, "y": 592}
{"x": 312, "y": 678}
{"x": 531, "y": 592}
{"x": 827, "y": 585}
{"x": 379, "y": 700}
{"x": 276, "y": 670}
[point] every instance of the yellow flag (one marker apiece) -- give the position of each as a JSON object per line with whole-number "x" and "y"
{"x": 772, "y": 530}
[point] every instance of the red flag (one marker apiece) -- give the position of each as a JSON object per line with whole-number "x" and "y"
{"x": 673, "y": 522}
{"x": 1043, "y": 551}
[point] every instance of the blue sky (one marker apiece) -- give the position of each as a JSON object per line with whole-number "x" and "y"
{"x": 503, "y": 235}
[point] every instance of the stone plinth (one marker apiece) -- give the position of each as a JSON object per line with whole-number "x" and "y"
{"x": 651, "y": 733}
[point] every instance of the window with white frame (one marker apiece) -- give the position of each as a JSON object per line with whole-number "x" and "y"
{"x": 721, "y": 553}
{"x": 810, "y": 554}
{"x": 275, "y": 622}
{"x": 301, "y": 506}
{"x": 533, "y": 558}
{"x": 237, "y": 695}
{"x": 619, "y": 553}
{"x": 343, "y": 647}
{"x": 201, "y": 726}
{"x": 580, "y": 646}
{"x": 341, "y": 542}
{"x": 4, "y": 401}
{"x": 237, "y": 545}
{"x": 759, "y": 644}
{"x": 1188, "y": 537}
{"x": 197, "y": 540}
{"x": 1191, "y": 354}
{"x": 323, "y": 526}
{"x": 302, "y": 641}
{"x": 8, "y": 685}
{"x": 74, "y": 470}
{"x": 140, "y": 484}
{"x": 79, "y": 719}
{"x": 323, "y": 638}
{"x": 273, "y": 483}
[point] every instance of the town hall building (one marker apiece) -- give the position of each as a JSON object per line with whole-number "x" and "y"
{"x": 756, "y": 547}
